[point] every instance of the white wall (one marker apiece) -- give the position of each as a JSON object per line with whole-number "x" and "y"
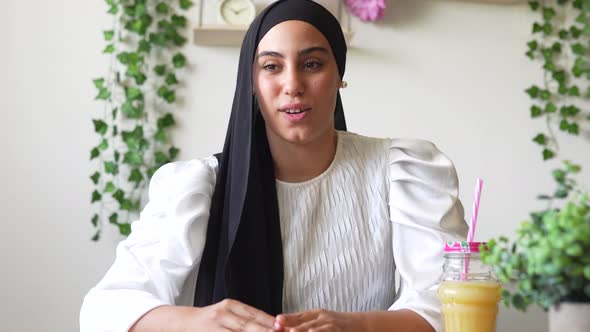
{"x": 451, "y": 72}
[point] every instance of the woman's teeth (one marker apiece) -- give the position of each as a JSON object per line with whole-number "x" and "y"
{"x": 295, "y": 111}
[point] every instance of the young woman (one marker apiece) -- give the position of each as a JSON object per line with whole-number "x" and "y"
{"x": 297, "y": 225}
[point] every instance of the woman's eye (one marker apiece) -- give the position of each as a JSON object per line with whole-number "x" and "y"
{"x": 270, "y": 67}
{"x": 312, "y": 65}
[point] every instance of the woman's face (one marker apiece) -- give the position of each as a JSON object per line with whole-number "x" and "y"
{"x": 296, "y": 82}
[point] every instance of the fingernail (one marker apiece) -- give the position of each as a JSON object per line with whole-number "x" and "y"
{"x": 277, "y": 326}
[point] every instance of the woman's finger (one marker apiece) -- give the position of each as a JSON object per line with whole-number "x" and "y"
{"x": 327, "y": 328}
{"x": 250, "y": 314}
{"x": 295, "y": 319}
{"x": 312, "y": 324}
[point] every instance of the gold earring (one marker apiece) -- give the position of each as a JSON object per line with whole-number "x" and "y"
{"x": 344, "y": 84}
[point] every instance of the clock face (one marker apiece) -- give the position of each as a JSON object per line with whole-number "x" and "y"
{"x": 237, "y": 12}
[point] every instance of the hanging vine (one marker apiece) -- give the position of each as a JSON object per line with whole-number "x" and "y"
{"x": 139, "y": 96}
{"x": 562, "y": 46}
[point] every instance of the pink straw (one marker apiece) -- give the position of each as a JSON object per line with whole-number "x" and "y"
{"x": 473, "y": 222}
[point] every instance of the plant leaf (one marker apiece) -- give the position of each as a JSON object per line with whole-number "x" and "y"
{"x": 533, "y": 91}
{"x": 94, "y": 153}
{"x": 179, "y": 60}
{"x": 559, "y": 175}
{"x": 572, "y": 168}
{"x": 135, "y": 176}
{"x": 108, "y": 35}
{"x": 113, "y": 10}
{"x": 161, "y": 136}
{"x": 98, "y": 83}
{"x": 103, "y": 94}
{"x": 140, "y": 78}
{"x": 563, "y": 125}
{"x": 100, "y": 126}
{"x": 173, "y": 151}
{"x": 185, "y": 4}
{"x": 143, "y": 46}
{"x": 162, "y": 8}
{"x": 96, "y": 196}
{"x": 171, "y": 79}
{"x": 574, "y": 91}
{"x": 536, "y": 111}
{"x": 548, "y": 13}
{"x": 160, "y": 70}
{"x": 94, "y": 220}
{"x": 113, "y": 218}
{"x": 130, "y": 111}
{"x": 110, "y": 48}
{"x": 119, "y": 196}
{"x": 152, "y": 170}
{"x": 540, "y": 139}
{"x": 125, "y": 229}
{"x": 95, "y": 177}
{"x": 563, "y": 34}
{"x": 111, "y": 168}
{"x": 168, "y": 95}
{"x": 123, "y": 58}
{"x": 534, "y": 5}
{"x": 548, "y": 154}
{"x": 575, "y": 31}
{"x": 109, "y": 187}
{"x": 547, "y": 28}
{"x": 104, "y": 144}
{"x": 134, "y": 158}
{"x": 158, "y": 39}
{"x": 133, "y": 93}
{"x": 161, "y": 157}
{"x": 166, "y": 121}
{"x": 179, "y": 21}
{"x": 559, "y": 76}
{"x": 578, "y": 49}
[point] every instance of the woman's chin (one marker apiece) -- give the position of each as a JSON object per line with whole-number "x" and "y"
{"x": 299, "y": 136}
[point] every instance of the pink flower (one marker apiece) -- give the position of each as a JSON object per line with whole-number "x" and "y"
{"x": 367, "y": 10}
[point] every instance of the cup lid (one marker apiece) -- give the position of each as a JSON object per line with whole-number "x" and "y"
{"x": 463, "y": 246}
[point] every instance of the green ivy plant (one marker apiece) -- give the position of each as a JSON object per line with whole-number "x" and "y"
{"x": 548, "y": 262}
{"x": 139, "y": 95}
{"x": 561, "y": 45}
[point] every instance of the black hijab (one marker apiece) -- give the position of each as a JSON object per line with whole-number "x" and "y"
{"x": 243, "y": 257}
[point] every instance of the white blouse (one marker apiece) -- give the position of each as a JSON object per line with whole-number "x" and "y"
{"x": 383, "y": 206}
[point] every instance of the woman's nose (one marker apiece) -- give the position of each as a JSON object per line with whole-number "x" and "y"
{"x": 293, "y": 84}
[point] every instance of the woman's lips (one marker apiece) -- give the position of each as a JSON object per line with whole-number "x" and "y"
{"x": 296, "y": 117}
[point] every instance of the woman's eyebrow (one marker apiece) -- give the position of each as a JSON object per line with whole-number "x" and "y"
{"x": 305, "y": 51}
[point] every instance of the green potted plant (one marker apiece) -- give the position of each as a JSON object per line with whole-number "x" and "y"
{"x": 548, "y": 262}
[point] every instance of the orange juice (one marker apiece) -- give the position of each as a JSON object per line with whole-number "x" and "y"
{"x": 469, "y": 306}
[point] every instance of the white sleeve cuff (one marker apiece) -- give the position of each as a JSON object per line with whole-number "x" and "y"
{"x": 424, "y": 303}
{"x": 115, "y": 310}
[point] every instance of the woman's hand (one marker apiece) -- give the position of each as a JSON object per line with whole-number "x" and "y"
{"x": 232, "y": 315}
{"x": 321, "y": 320}
{"x": 227, "y": 315}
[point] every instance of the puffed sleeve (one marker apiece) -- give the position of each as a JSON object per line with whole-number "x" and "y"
{"x": 425, "y": 211}
{"x": 164, "y": 247}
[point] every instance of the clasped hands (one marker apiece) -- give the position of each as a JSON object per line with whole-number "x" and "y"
{"x": 232, "y": 315}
